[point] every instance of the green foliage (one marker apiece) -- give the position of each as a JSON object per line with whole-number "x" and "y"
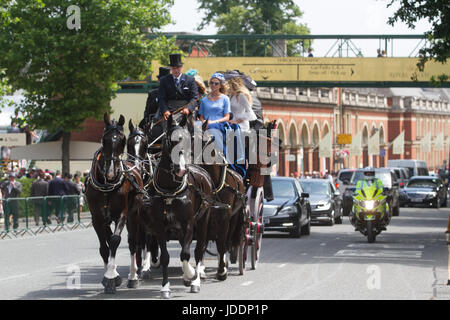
{"x": 71, "y": 74}
{"x": 254, "y": 17}
{"x": 437, "y": 13}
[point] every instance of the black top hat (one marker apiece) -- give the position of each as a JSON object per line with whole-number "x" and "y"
{"x": 175, "y": 60}
{"x": 163, "y": 71}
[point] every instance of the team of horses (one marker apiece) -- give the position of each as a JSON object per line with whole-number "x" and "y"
{"x": 159, "y": 199}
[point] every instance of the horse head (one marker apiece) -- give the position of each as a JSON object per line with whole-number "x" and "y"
{"x": 113, "y": 145}
{"x": 136, "y": 144}
{"x": 175, "y": 143}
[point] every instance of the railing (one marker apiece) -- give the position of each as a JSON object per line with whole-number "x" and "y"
{"x": 288, "y": 45}
{"x": 33, "y": 215}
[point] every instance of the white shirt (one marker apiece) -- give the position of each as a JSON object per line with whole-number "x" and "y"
{"x": 242, "y": 110}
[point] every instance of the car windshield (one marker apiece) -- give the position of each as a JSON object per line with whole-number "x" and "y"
{"x": 347, "y": 175}
{"x": 384, "y": 176}
{"x": 315, "y": 187}
{"x": 283, "y": 189}
{"x": 422, "y": 183}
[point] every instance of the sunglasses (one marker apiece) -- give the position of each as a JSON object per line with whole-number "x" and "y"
{"x": 214, "y": 83}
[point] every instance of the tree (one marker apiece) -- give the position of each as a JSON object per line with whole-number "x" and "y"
{"x": 69, "y": 55}
{"x": 254, "y": 17}
{"x": 437, "y": 12}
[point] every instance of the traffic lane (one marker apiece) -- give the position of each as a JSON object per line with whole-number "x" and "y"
{"x": 290, "y": 269}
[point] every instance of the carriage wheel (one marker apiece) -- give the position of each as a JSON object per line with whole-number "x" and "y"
{"x": 257, "y": 227}
{"x": 243, "y": 243}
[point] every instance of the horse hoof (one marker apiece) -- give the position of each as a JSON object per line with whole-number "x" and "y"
{"x": 195, "y": 289}
{"x": 118, "y": 281}
{"x": 110, "y": 285}
{"x": 187, "y": 283}
{"x": 133, "y": 284}
{"x": 146, "y": 275}
{"x": 165, "y": 294}
{"x": 222, "y": 277}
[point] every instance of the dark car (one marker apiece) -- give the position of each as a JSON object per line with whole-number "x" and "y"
{"x": 290, "y": 210}
{"x": 390, "y": 184}
{"x": 324, "y": 199}
{"x": 425, "y": 191}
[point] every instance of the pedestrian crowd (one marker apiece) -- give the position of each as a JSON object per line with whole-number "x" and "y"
{"x": 52, "y": 185}
{"x": 315, "y": 175}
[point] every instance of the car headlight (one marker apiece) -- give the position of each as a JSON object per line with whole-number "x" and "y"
{"x": 431, "y": 195}
{"x": 287, "y": 211}
{"x": 324, "y": 206}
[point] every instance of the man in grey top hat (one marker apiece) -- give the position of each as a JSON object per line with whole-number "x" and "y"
{"x": 11, "y": 189}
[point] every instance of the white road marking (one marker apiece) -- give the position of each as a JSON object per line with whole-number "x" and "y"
{"x": 247, "y": 283}
{"x": 386, "y": 246}
{"x": 381, "y": 253}
{"x": 15, "y": 277}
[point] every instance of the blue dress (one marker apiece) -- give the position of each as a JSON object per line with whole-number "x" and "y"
{"x": 215, "y": 110}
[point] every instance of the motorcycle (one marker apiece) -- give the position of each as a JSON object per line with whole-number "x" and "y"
{"x": 370, "y": 211}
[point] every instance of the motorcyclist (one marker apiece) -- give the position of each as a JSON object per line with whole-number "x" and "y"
{"x": 368, "y": 180}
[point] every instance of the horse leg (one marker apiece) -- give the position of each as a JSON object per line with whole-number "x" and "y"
{"x": 140, "y": 252}
{"x": 152, "y": 245}
{"x": 200, "y": 248}
{"x": 165, "y": 258}
{"x": 222, "y": 237}
{"x": 133, "y": 236}
{"x": 101, "y": 229}
{"x": 112, "y": 279}
{"x": 185, "y": 241}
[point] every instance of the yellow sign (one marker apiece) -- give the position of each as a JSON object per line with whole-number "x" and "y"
{"x": 318, "y": 69}
{"x": 344, "y": 139}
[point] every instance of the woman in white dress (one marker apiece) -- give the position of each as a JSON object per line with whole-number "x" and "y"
{"x": 241, "y": 104}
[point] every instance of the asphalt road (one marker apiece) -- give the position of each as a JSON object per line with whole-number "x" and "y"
{"x": 408, "y": 261}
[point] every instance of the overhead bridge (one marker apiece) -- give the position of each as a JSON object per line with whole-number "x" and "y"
{"x": 280, "y": 61}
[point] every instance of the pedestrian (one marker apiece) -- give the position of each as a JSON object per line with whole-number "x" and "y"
{"x": 14, "y": 128}
{"x": 81, "y": 189}
{"x": 71, "y": 202}
{"x": 379, "y": 55}
{"x": 57, "y": 188}
{"x": 310, "y": 54}
{"x": 39, "y": 188}
{"x": 12, "y": 189}
{"x": 383, "y": 53}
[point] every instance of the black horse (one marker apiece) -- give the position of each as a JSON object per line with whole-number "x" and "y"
{"x": 137, "y": 143}
{"x": 113, "y": 195}
{"x": 227, "y": 220}
{"x": 180, "y": 208}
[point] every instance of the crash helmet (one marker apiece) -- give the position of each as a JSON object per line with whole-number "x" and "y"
{"x": 369, "y": 173}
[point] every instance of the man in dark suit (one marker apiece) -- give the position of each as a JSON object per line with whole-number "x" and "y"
{"x": 176, "y": 90}
{"x": 71, "y": 203}
{"x": 11, "y": 189}
{"x": 57, "y": 187}
{"x": 151, "y": 106}
{"x": 39, "y": 188}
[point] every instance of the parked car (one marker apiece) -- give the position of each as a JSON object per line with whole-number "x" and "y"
{"x": 415, "y": 167}
{"x": 425, "y": 191}
{"x": 290, "y": 210}
{"x": 390, "y": 184}
{"x": 324, "y": 199}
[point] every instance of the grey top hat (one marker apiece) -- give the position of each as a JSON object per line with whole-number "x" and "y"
{"x": 12, "y": 174}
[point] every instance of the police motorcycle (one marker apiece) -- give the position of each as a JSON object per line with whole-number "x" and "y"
{"x": 370, "y": 212}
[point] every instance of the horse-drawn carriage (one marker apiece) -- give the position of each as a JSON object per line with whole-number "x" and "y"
{"x": 160, "y": 198}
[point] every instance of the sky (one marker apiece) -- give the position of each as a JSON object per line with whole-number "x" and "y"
{"x": 324, "y": 17}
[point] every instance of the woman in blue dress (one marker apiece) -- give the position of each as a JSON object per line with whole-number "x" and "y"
{"x": 215, "y": 108}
